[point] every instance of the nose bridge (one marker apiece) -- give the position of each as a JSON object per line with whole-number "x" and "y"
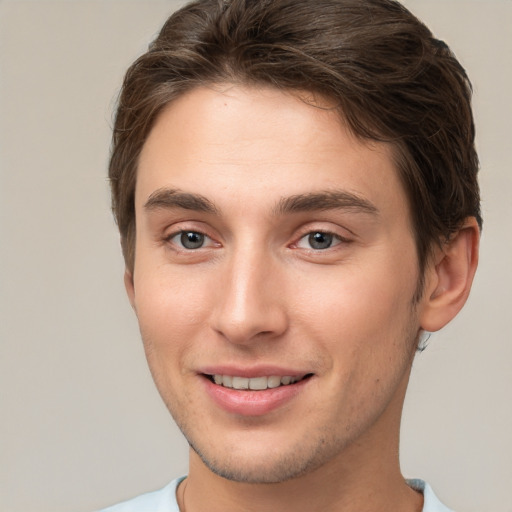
{"x": 249, "y": 302}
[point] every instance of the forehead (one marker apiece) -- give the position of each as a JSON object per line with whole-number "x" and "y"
{"x": 231, "y": 140}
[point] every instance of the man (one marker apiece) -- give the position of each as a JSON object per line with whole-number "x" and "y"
{"x": 295, "y": 188}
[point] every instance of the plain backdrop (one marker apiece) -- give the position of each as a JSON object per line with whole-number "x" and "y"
{"x": 81, "y": 424}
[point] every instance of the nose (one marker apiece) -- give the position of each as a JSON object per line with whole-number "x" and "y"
{"x": 251, "y": 302}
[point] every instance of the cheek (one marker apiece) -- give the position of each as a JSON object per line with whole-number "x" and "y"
{"x": 170, "y": 309}
{"x": 367, "y": 326}
{"x": 168, "y": 297}
{"x": 361, "y": 296}
{"x": 362, "y": 314}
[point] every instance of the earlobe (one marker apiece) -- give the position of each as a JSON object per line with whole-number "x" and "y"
{"x": 129, "y": 286}
{"x": 449, "y": 279}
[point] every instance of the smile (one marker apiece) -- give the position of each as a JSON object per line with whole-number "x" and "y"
{"x": 255, "y": 383}
{"x": 253, "y": 395}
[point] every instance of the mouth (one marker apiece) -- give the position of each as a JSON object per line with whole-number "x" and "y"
{"x": 256, "y": 383}
{"x": 254, "y": 392}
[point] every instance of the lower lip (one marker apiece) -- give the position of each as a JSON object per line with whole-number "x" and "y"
{"x": 253, "y": 403}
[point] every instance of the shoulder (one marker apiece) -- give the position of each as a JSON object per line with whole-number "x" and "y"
{"x": 431, "y": 502}
{"x": 163, "y": 500}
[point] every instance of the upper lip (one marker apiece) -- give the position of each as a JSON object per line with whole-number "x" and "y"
{"x": 253, "y": 371}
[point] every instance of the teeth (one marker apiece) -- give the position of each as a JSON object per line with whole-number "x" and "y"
{"x": 255, "y": 383}
{"x": 240, "y": 383}
{"x": 273, "y": 382}
{"x": 258, "y": 383}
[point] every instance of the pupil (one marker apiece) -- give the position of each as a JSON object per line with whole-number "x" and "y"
{"x": 192, "y": 240}
{"x": 320, "y": 240}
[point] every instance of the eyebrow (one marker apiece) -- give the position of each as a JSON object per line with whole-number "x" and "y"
{"x": 325, "y": 200}
{"x": 167, "y": 198}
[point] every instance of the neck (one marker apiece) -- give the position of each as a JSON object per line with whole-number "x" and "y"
{"x": 315, "y": 492}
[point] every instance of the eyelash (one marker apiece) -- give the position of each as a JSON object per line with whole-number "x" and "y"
{"x": 333, "y": 239}
{"x": 326, "y": 236}
{"x": 184, "y": 232}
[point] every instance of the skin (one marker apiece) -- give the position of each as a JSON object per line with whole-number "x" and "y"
{"x": 223, "y": 163}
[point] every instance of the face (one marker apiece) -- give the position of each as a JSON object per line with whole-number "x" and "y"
{"x": 275, "y": 269}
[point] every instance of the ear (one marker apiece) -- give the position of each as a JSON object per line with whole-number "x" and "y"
{"x": 449, "y": 277}
{"x": 129, "y": 286}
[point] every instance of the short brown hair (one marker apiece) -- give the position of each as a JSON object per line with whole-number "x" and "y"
{"x": 391, "y": 79}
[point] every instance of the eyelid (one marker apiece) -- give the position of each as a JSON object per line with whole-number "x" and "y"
{"x": 337, "y": 240}
{"x": 175, "y": 234}
{"x": 312, "y": 227}
{"x": 180, "y": 228}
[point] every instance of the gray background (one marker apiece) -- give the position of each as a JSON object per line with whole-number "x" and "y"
{"x": 81, "y": 425}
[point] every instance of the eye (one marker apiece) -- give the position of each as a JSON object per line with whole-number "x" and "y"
{"x": 318, "y": 240}
{"x": 189, "y": 239}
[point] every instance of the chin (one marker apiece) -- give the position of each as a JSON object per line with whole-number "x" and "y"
{"x": 256, "y": 472}
{"x": 267, "y": 468}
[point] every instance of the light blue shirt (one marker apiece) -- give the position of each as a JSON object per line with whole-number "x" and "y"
{"x": 164, "y": 500}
